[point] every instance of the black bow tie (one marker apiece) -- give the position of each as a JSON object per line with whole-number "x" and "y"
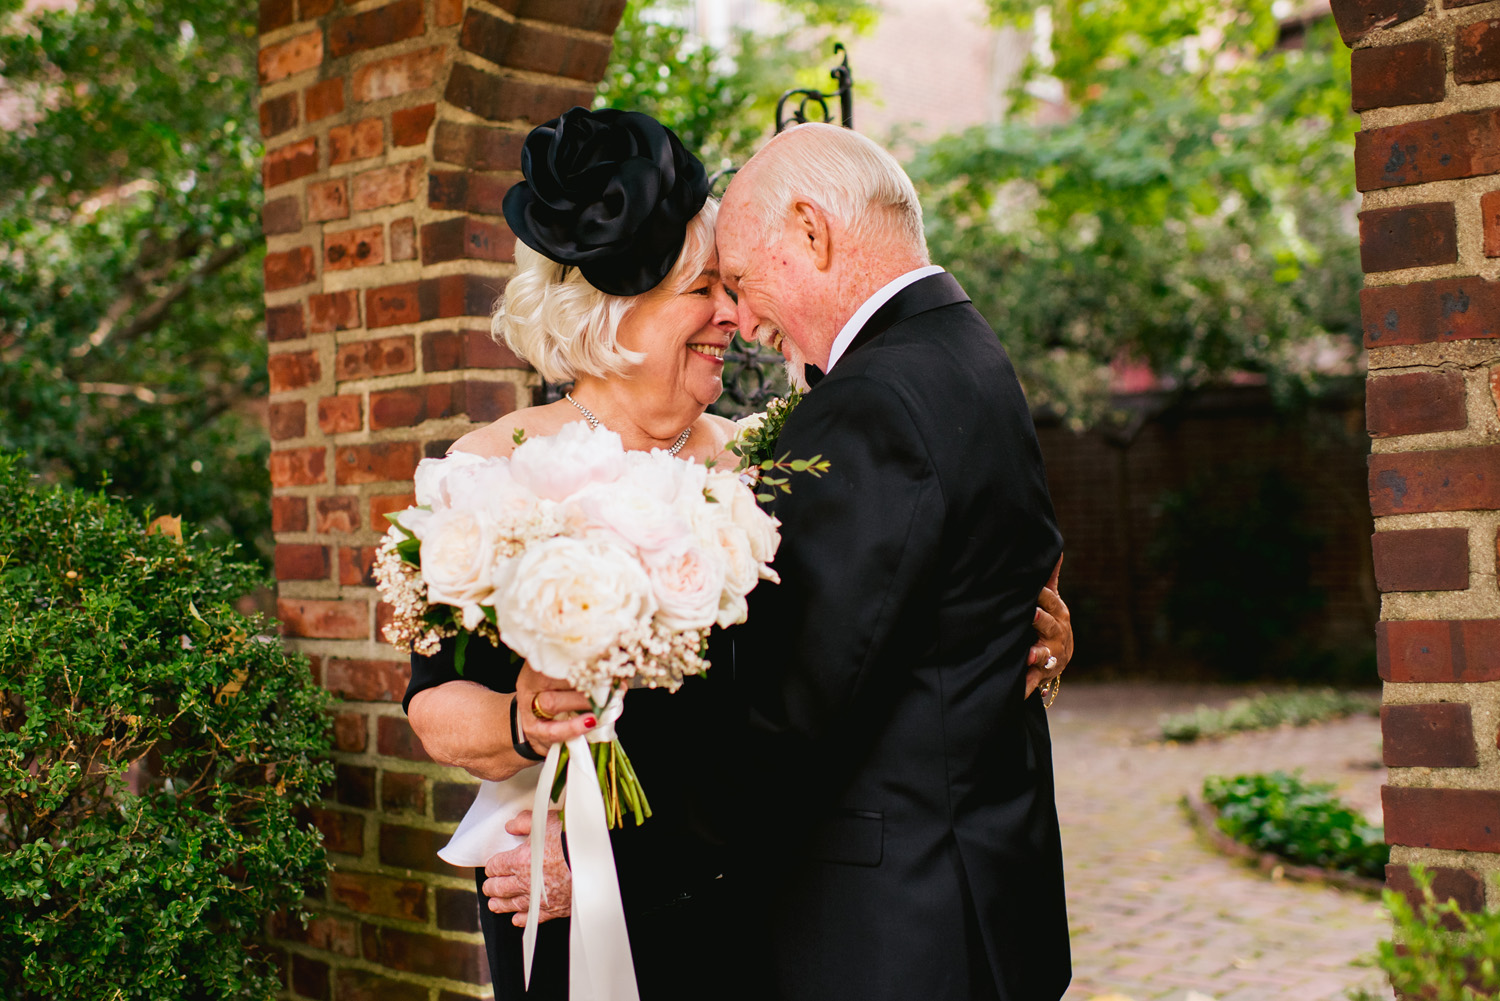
{"x": 813, "y": 374}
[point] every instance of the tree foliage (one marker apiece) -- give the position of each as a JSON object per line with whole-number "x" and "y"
{"x": 1191, "y": 210}
{"x": 156, "y": 748}
{"x": 131, "y": 346}
{"x": 722, "y": 101}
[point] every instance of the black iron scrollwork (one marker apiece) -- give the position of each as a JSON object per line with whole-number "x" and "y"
{"x": 807, "y": 97}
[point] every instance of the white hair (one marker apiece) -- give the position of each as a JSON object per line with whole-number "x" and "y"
{"x": 553, "y": 318}
{"x": 846, "y": 174}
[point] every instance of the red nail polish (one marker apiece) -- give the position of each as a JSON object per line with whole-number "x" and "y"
{"x": 589, "y": 722}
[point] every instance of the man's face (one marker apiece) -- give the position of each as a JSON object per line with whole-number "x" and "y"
{"x": 767, "y": 278}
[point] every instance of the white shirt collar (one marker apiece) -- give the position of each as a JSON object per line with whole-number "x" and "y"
{"x": 863, "y": 313}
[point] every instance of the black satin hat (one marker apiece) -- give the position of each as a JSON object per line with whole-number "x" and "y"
{"x": 610, "y": 192}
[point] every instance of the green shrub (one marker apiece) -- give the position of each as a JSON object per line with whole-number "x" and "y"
{"x": 1440, "y": 952}
{"x": 157, "y": 754}
{"x": 1264, "y": 712}
{"x": 1304, "y": 822}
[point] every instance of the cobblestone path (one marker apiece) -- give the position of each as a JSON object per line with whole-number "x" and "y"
{"x": 1156, "y": 915}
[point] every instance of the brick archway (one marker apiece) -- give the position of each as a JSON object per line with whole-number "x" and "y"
{"x": 391, "y": 133}
{"x": 1427, "y": 84}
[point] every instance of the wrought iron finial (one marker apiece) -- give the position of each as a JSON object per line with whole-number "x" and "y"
{"x": 843, "y": 76}
{"x": 724, "y": 175}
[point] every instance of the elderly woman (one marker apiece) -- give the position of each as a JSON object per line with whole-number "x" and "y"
{"x": 617, "y": 291}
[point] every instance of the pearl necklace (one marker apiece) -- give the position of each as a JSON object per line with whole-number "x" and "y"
{"x": 595, "y": 425}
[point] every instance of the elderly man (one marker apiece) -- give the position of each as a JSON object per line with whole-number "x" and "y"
{"x": 912, "y": 848}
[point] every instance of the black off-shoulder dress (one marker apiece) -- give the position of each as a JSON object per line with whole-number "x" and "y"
{"x": 672, "y": 869}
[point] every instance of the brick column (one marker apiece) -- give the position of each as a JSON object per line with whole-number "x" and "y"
{"x": 1427, "y": 82}
{"x": 392, "y": 132}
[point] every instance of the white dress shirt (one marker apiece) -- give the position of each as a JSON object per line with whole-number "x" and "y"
{"x": 863, "y": 313}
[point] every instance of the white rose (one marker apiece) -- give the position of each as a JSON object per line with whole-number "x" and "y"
{"x": 760, "y": 528}
{"x": 747, "y": 424}
{"x": 687, "y": 582}
{"x": 432, "y": 475}
{"x": 458, "y": 556}
{"x": 717, "y": 533}
{"x": 634, "y": 515}
{"x": 566, "y": 601}
{"x": 558, "y": 466}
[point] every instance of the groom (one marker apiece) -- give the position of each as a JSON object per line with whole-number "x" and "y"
{"x": 912, "y": 849}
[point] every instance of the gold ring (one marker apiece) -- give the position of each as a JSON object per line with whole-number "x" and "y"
{"x": 536, "y": 710}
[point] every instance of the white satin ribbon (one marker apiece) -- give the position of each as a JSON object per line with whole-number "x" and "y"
{"x": 482, "y": 832}
{"x": 600, "y": 967}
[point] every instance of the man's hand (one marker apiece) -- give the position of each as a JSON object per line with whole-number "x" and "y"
{"x": 508, "y": 875}
{"x": 1054, "y": 628}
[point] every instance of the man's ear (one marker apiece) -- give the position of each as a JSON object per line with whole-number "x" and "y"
{"x": 810, "y": 223}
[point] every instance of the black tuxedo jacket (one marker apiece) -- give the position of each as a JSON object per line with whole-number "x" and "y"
{"x": 903, "y": 842}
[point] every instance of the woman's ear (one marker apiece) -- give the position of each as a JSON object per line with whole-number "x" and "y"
{"x": 810, "y": 223}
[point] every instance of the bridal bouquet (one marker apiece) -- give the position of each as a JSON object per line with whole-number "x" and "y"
{"x": 600, "y": 567}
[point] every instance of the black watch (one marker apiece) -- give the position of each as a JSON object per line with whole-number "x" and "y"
{"x": 517, "y": 738}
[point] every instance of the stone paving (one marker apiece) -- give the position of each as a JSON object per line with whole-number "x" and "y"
{"x": 1154, "y": 913}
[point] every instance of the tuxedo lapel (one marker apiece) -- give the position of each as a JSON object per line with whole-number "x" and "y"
{"x": 931, "y": 292}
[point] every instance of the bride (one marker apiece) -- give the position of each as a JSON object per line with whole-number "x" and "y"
{"x": 617, "y": 291}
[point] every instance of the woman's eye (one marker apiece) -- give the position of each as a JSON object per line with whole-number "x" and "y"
{"x": 699, "y": 291}
{"x": 732, "y": 297}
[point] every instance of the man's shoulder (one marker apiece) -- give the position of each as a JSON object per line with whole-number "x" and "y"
{"x": 928, "y": 350}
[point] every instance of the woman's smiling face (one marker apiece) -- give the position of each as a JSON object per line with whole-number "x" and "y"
{"x": 683, "y": 335}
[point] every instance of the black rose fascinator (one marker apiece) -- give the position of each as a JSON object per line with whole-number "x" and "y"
{"x": 610, "y": 192}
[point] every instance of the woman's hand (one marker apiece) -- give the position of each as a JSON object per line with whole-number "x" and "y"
{"x": 508, "y": 882}
{"x": 1054, "y": 627}
{"x": 539, "y": 697}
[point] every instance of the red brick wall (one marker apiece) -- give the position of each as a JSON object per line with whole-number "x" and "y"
{"x": 1427, "y": 84}
{"x": 392, "y": 131}
{"x": 1108, "y": 491}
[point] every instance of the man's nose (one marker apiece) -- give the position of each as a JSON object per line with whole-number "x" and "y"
{"x": 726, "y": 312}
{"x": 747, "y": 320}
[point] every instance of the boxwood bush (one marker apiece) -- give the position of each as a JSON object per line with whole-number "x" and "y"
{"x": 156, "y": 752}
{"x": 1304, "y": 822}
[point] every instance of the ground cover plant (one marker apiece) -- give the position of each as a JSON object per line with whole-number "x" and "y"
{"x": 157, "y": 752}
{"x": 1267, "y": 711}
{"x": 1303, "y": 822}
{"x": 1440, "y": 952}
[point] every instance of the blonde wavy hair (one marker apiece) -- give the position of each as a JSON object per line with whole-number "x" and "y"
{"x": 550, "y": 316}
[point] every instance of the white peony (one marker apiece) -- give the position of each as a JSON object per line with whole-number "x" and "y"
{"x": 490, "y": 487}
{"x": 432, "y": 475}
{"x": 558, "y": 466}
{"x": 458, "y": 557}
{"x": 666, "y": 477}
{"x": 733, "y": 609}
{"x": 414, "y": 520}
{"x": 566, "y": 601}
{"x": 639, "y": 517}
{"x": 687, "y": 582}
{"x": 759, "y": 528}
